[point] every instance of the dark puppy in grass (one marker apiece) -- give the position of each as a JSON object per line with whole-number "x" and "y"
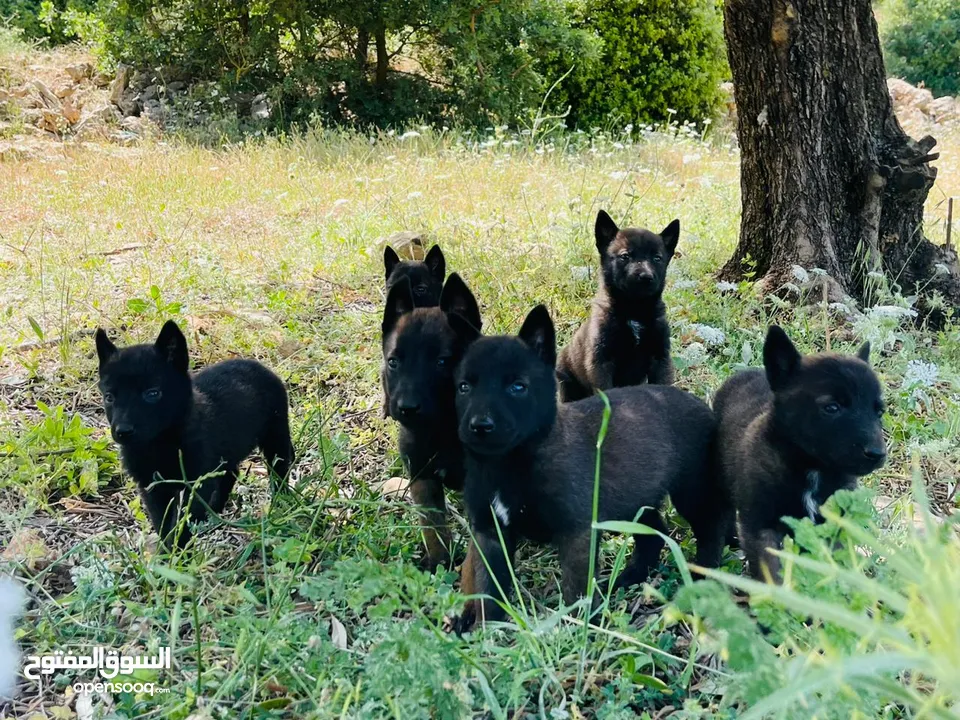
{"x": 426, "y": 278}
{"x": 793, "y": 434}
{"x": 530, "y": 464}
{"x": 626, "y": 340}
{"x": 174, "y": 429}
{"x": 421, "y": 348}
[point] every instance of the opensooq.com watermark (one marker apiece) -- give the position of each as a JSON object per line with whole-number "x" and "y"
{"x": 109, "y": 663}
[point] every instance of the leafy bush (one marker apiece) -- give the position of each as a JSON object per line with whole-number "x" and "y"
{"x": 358, "y": 63}
{"x": 59, "y": 21}
{"x": 923, "y": 44}
{"x": 862, "y": 621}
{"x": 661, "y": 60}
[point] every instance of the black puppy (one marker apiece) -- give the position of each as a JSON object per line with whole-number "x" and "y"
{"x": 426, "y": 278}
{"x": 421, "y": 347}
{"x": 174, "y": 429}
{"x": 530, "y": 463}
{"x": 426, "y": 282}
{"x": 791, "y": 436}
{"x": 626, "y": 340}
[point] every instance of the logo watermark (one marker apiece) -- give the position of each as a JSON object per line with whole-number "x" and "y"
{"x": 109, "y": 664}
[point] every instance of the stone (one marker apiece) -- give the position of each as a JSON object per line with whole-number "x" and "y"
{"x": 407, "y": 243}
{"x": 70, "y": 112}
{"x": 119, "y": 85}
{"x": 139, "y": 126}
{"x": 944, "y": 109}
{"x": 48, "y": 98}
{"x": 260, "y": 107}
{"x": 102, "y": 79}
{"x": 64, "y": 90}
{"x": 150, "y": 92}
{"x": 175, "y": 86}
{"x": 903, "y": 94}
{"x": 79, "y": 72}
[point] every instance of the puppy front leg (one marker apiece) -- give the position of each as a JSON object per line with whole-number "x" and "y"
{"x": 477, "y": 579}
{"x": 661, "y": 371}
{"x": 428, "y": 494}
{"x": 760, "y": 562}
{"x": 574, "y": 551}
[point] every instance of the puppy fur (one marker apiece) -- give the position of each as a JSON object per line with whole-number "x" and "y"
{"x": 426, "y": 283}
{"x": 421, "y": 348}
{"x": 793, "y": 434}
{"x": 626, "y": 340}
{"x": 426, "y": 278}
{"x": 530, "y": 464}
{"x": 174, "y": 429}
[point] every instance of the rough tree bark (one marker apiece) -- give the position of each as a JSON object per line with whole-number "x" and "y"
{"x": 362, "y": 48}
{"x": 829, "y": 179}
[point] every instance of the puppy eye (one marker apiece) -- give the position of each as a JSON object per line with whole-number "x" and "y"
{"x": 831, "y": 408}
{"x": 624, "y": 256}
{"x": 443, "y": 362}
{"x": 517, "y": 388}
{"x": 463, "y": 388}
{"x": 108, "y": 398}
{"x": 152, "y": 395}
{"x": 393, "y": 363}
{"x": 658, "y": 258}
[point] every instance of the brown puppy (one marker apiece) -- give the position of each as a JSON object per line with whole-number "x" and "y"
{"x": 793, "y": 434}
{"x": 626, "y": 340}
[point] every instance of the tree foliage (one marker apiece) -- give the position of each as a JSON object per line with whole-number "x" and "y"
{"x": 923, "y": 46}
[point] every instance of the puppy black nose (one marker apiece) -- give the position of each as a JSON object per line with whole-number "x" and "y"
{"x": 875, "y": 454}
{"x": 482, "y": 425}
{"x": 123, "y": 432}
{"x": 408, "y": 410}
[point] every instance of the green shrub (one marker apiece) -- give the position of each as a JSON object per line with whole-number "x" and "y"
{"x": 661, "y": 60}
{"x": 59, "y": 21}
{"x": 440, "y": 60}
{"x": 923, "y": 44}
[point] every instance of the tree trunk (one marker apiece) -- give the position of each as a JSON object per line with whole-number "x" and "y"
{"x": 383, "y": 60}
{"x": 363, "y": 47}
{"x": 828, "y": 177}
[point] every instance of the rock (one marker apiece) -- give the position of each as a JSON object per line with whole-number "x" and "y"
{"x": 48, "y": 98}
{"x": 106, "y": 113}
{"x": 28, "y": 548}
{"x": 79, "y": 72}
{"x": 64, "y": 90}
{"x": 139, "y": 126}
{"x": 408, "y": 244}
{"x": 260, "y": 108}
{"x": 90, "y": 128}
{"x": 128, "y": 103}
{"x": 5, "y": 96}
{"x": 175, "y": 86}
{"x": 154, "y": 111}
{"x": 150, "y": 92}
{"x": 904, "y": 94}
{"x": 51, "y": 120}
{"x": 119, "y": 85}
{"x": 70, "y": 112}
{"x": 102, "y": 80}
{"x": 944, "y": 109}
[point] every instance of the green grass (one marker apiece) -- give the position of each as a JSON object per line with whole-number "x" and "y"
{"x": 313, "y": 606}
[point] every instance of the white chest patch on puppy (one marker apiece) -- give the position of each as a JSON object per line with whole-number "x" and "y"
{"x": 809, "y": 501}
{"x": 636, "y": 328}
{"x": 501, "y": 510}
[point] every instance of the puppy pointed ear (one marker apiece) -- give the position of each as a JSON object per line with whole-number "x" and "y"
{"x": 172, "y": 345}
{"x": 864, "y": 352}
{"x": 464, "y": 329}
{"x": 671, "y": 235}
{"x": 437, "y": 263}
{"x": 780, "y": 357}
{"x": 399, "y": 302}
{"x": 390, "y": 261}
{"x": 605, "y": 231}
{"x": 106, "y": 350}
{"x": 537, "y": 332}
{"x": 457, "y": 298}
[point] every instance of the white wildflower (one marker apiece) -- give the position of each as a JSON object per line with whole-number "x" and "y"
{"x": 875, "y": 275}
{"x": 692, "y": 158}
{"x": 694, "y": 353}
{"x": 341, "y": 201}
{"x": 410, "y": 134}
{"x": 618, "y": 175}
{"x": 725, "y": 286}
{"x": 920, "y": 373}
{"x": 817, "y": 272}
{"x": 684, "y": 284}
{"x": 710, "y": 335}
{"x": 799, "y": 274}
{"x": 94, "y": 574}
{"x": 414, "y": 195}
{"x": 892, "y": 311}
